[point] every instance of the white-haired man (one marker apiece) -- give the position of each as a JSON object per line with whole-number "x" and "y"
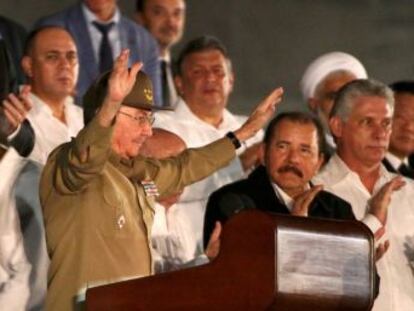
{"x": 361, "y": 122}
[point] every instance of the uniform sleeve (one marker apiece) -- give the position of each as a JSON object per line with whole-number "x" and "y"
{"x": 76, "y": 163}
{"x": 193, "y": 165}
{"x": 173, "y": 174}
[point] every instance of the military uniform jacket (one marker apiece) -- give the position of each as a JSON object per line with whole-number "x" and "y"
{"x": 98, "y": 209}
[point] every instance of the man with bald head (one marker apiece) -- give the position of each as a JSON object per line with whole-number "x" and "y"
{"x": 50, "y": 63}
{"x": 172, "y": 235}
{"x": 169, "y": 232}
{"x": 323, "y": 78}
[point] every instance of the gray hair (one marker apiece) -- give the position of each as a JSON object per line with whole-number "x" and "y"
{"x": 345, "y": 99}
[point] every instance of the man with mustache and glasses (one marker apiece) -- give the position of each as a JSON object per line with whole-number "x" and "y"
{"x": 291, "y": 154}
{"x": 165, "y": 20}
{"x": 361, "y": 122}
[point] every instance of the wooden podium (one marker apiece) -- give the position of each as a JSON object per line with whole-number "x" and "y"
{"x": 266, "y": 262}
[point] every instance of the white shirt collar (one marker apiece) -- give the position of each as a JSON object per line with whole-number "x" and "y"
{"x": 284, "y": 197}
{"x": 183, "y": 112}
{"x": 337, "y": 171}
{"x": 166, "y": 58}
{"x": 39, "y": 105}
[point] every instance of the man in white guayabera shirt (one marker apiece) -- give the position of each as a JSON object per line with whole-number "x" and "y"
{"x": 360, "y": 122}
{"x": 50, "y": 63}
{"x": 205, "y": 81}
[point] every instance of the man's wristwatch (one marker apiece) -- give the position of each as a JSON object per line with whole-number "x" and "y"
{"x": 235, "y": 141}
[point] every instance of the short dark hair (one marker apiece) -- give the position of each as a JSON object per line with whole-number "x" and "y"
{"x": 404, "y": 86}
{"x": 301, "y": 118}
{"x": 139, "y": 5}
{"x": 31, "y": 38}
{"x": 200, "y": 44}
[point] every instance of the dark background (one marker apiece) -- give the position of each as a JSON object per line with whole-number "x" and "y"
{"x": 272, "y": 41}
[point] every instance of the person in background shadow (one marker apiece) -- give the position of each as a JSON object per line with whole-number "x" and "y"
{"x": 165, "y": 20}
{"x": 170, "y": 234}
{"x": 397, "y": 158}
{"x": 100, "y": 32}
{"x": 13, "y": 36}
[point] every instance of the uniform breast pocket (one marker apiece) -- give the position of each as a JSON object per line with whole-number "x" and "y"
{"x": 116, "y": 221}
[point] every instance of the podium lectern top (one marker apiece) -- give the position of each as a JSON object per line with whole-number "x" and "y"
{"x": 266, "y": 262}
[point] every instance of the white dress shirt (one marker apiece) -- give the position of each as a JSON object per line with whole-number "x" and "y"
{"x": 114, "y": 35}
{"x": 172, "y": 238}
{"x": 49, "y": 131}
{"x": 14, "y": 266}
{"x": 284, "y": 197}
{"x": 196, "y": 133}
{"x": 396, "y": 267}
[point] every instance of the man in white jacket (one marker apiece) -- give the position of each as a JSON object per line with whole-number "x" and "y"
{"x": 51, "y": 64}
{"x": 361, "y": 122}
{"x": 205, "y": 81}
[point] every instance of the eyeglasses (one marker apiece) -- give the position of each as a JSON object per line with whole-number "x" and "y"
{"x": 141, "y": 119}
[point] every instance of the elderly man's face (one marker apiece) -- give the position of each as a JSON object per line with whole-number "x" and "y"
{"x": 165, "y": 20}
{"x": 325, "y": 94}
{"x": 133, "y": 126}
{"x": 364, "y": 137}
{"x": 292, "y": 156}
{"x": 206, "y": 80}
{"x": 402, "y": 136}
{"x": 52, "y": 65}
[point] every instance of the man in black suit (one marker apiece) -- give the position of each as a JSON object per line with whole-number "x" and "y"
{"x": 399, "y": 158}
{"x": 292, "y": 154}
{"x": 12, "y": 36}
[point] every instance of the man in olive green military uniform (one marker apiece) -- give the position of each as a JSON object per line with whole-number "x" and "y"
{"x": 97, "y": 195}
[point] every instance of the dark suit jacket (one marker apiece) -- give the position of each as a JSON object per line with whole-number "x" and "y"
{"x": 257, "y": 192}
{"x": 407, "y": 173}
{"x": 14, "y": 36}
{"x": 142, "y": 45}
